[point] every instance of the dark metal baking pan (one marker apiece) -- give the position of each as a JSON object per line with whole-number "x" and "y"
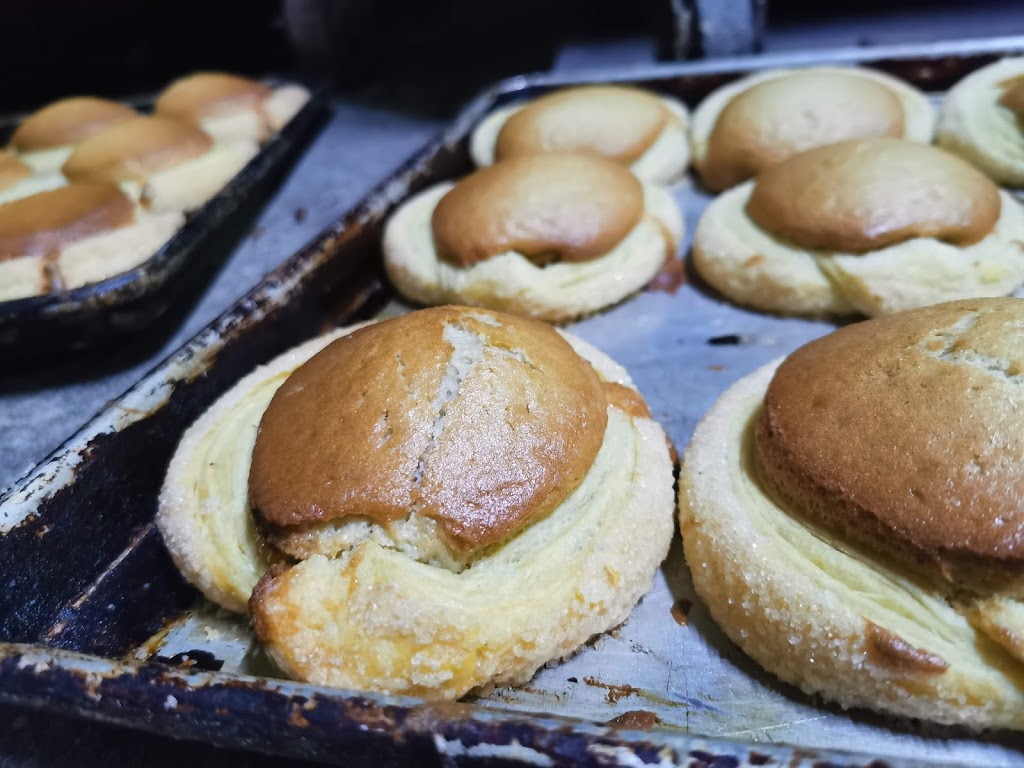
{"x": 127, "y": 303}
{"x": 98, "y": 623}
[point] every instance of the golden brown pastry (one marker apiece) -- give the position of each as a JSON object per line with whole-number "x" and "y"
{"x": 77, "y": 234}
{"x": 46, "y": 138}
{"x": 452, "y": 498}
{"x": 980, "y": 120}
{"x": 642, "y": 130}
{"x": 852, "y": 514}
{"x": 231, "y": 108}
{"x": 553, "y": 236}
{"x": 869, "y": 225}
{"x": 168, "y": 165}
{"x": 760, "y": 120}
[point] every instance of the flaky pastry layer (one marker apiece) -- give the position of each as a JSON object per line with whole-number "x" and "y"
{"x": 512, "y": 283}
{"x": 816, "y": 612}
{"x": 973, "y": 124}
{"x": 751, "y": 267}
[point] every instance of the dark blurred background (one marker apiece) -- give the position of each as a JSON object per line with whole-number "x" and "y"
{"x": 54, "y": 48}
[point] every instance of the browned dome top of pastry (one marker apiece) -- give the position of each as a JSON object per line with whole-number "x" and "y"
{"x": 12, "y": 170}
{"x": 68, "y": 122}
{"x": 133, "y": 150}
{"x": 46, "y": 221}
{"x": 615, "y": 121}
{"x": 866, "y": 194}
{"x": 206, "y": 94}
{"x": 777, "y": 118}
{"x": 554, "y": 207}
{"x": 907, "y": 430}
{"x": 478, "y": 420}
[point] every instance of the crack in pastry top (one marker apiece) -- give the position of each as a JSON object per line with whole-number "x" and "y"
{"x": 617, "y": 122}
{"x": 570, "y": 207}
{"x": 936, "y": 393}
{"x": 472, "y": 428}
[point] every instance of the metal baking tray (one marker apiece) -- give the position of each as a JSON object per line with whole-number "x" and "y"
{"x": 98, "y": 623}
{"x": 127, "y": 303}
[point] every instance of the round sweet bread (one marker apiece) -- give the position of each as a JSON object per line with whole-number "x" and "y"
{"x": 425, "y": 505}
{"x": 641, "y": 130}
{"x": 980, "y": 120}
{"x": 231, "y": 108}
{"x": 76, "y": 234}
{"x": 760, "y": 120}
{"x": 551, "y": 236}
{"x": 873, "y": 226}
{"x": 46, "y": 138}
{"x": 165, "y": 164}
{"x": 852, "y": 516}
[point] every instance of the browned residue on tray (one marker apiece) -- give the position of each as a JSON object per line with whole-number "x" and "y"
{"x": 681, "y": 610}
{"x": 615, "y": 692}
{"x": 635, "y": 719}
{"x": 671, "y": 277}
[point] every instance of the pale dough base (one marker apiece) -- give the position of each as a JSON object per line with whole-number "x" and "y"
{"x": 510, "y": 282}
{"x": 752, "y": 267}
{"x": 798, "y": 601}
{"x": 373, "y": 618}
{"x": 976, "y": 127}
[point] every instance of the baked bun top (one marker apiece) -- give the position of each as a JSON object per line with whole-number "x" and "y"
{"x": 614, "y": 121}
{"x": 46, "y": 221}
{"x": 777, "y": 118}
{"x": 477, "y": 420}
{"x": 12, "y": 170}
{"x": 552, "y": 207}
{"x": 209, "y": 94}
{"x": 69, "y": 121}
{"x": 133, "y": 150}
{"x": 865, "y": 194}
{"x": 905, "y": 432}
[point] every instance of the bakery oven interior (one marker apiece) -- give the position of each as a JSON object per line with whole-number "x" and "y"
{"x": 398, "y": 74}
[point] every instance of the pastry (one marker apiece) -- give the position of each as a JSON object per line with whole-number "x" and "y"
{"x": 869, "y": 225}
{"x": 980, "y": 120}
{"x": 46, "y": 138}
{"x": 77, "y": 234}
{"x": 760, "y": 120}
{"x": 166, "y": 164}
{"x": 551, "y": 236}
{"x": 17, "y": 179}
{"x": 644, "y": 131}
{"x": 231, "y": 108}
{"x": 426, "y": 505}
{"x": 852, "y": 516}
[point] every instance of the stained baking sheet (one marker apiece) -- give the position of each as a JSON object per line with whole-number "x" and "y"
{"x": 101, "y": 624}
{"x": 127, "y": 303}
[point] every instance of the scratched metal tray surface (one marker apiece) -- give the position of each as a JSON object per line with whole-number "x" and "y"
{"x": 104, "y": 311}
{"x": 96, "y": 621}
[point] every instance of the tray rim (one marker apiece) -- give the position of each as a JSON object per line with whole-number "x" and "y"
{"x": 23, "y": 667}
{"x": 99, "y": 300}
